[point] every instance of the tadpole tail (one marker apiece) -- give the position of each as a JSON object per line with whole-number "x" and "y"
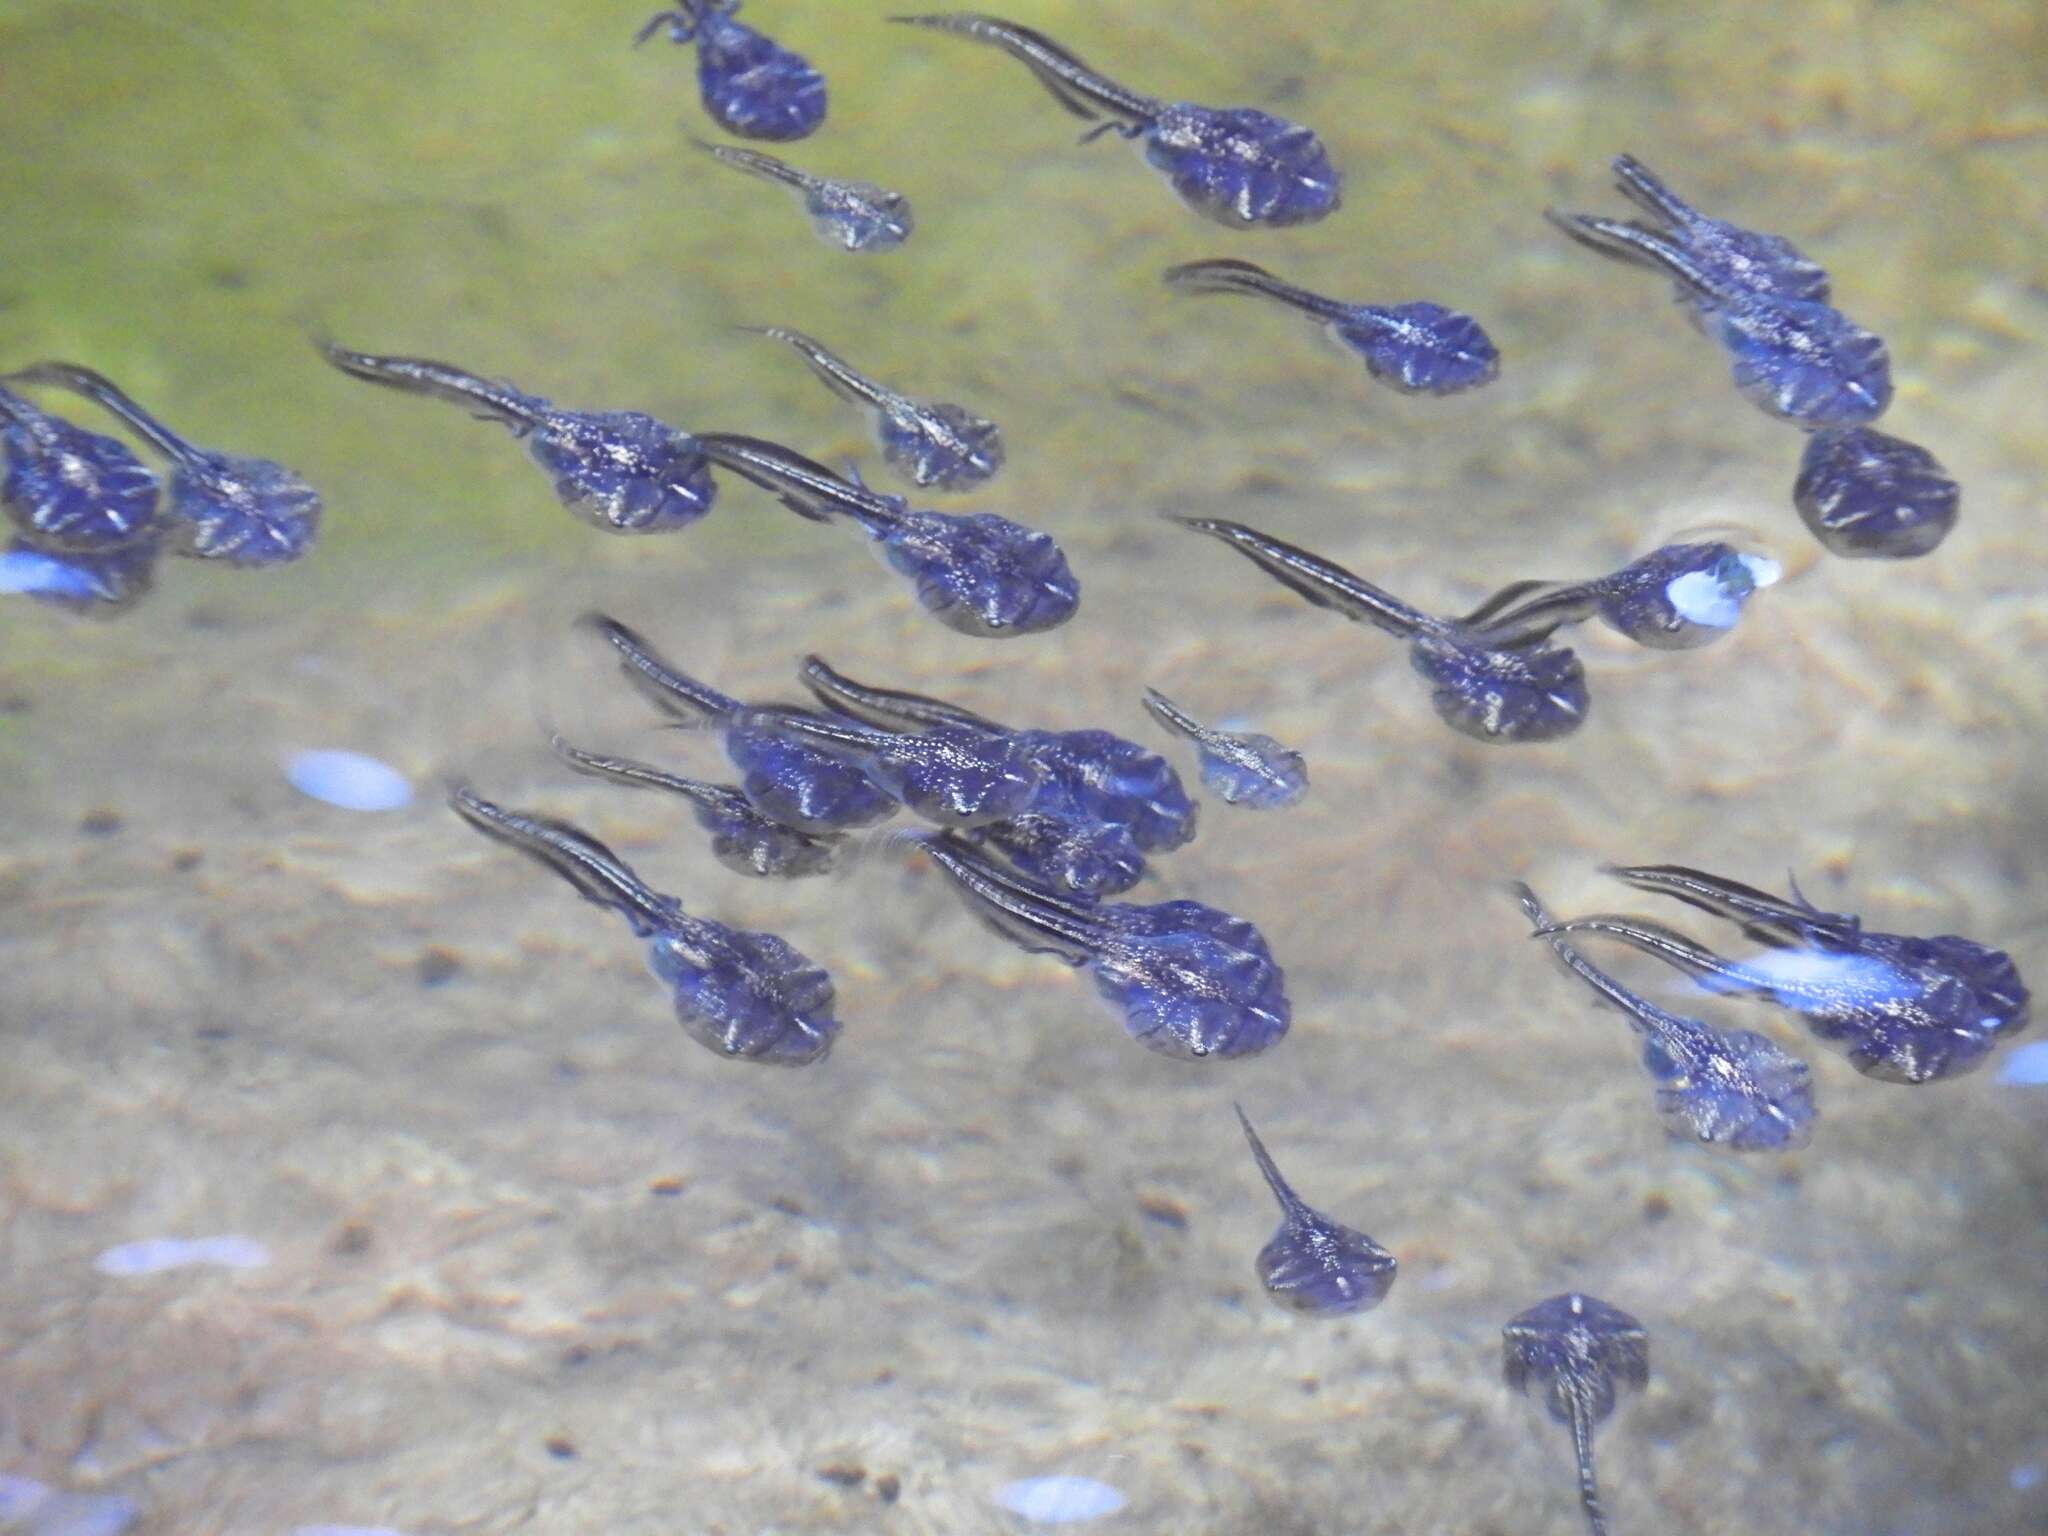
{"x": 833, "y": 371}
{"x": 103, "y": 392}
{"x": 1665, "y": 943}
{"x": 1322, "y": 582}
{"x": 488, "y": 399}
{"x": 674, "y": 693}
{"x": 755, "y": 163}
{"x": 1589, "y": 1487}
{"x": 806, "y": 487}
{"x": 1641, "y": 186}
{"x": 599, "y": 875}
{"x": 1035, "y": 919}
{"x": 631, "y": 774}
{"x": 1636, "y": 245}
{"x": 1282, "y": 1191}
{"x": 1081, "y": 90}
{"x": 1226, "y": 274}
{"x": 1767, "y": 918}
{"x": 891, "y": 708}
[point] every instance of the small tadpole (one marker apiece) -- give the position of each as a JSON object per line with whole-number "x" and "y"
{"x": 1418, "y": 348}
{"x": 1578, "y": 1354}
{"x": 1241, "y": 167}
{"x": 1869, "y": 496}
{"x": 977, "y": 573}
{"x": 1314, "y": 1265}
{"x": 1524, "y": 690}
{"x": 1244, "y": 768}
{"x": 931, "y": 443}
{"x": 618, "y": 471}
{"x": 750, "y": 84}
{"x": 852, "y": 215}
{"x": 1729, "y": 1088}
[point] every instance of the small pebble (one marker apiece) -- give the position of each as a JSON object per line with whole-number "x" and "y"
{"x": 348, "y": 780}
{"x": 156, "y": 1254}
{"x": 2026, "y": 1066}
{"x": 1059, "y": 1500}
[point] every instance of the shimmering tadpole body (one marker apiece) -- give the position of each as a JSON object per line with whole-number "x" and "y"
{"x": 68, "y": 489}
{"x": 1796, "y": 359}
{"x": 1676, "y": 598}
{"x": 949, "y": 776}
{"x": 746, "y": 996}
{"x": 751, "y": 85}
{"x": 1241, "y": 167}
{"x": 1418, "y": 349}
{"x": 1314, "y": 1265}
{"x": 1244, "y": 768}
{"x": 931, "y": 443}
{"x": 1725, "y": 1088}
{"x": 1187, "y": 980}
{"x": 742, "y": 839}
{"x": 619, "y": 471}
{"x": 230, "y": 507}
{"x": 1578, "y": 1354}
{"x": 977, "y": 573}
{"x": 1101, "y": 803}
{"x": 1867, "y": 495}
{"x": 1905, "y": 1009}
{"x": 789, "y": 782}
{"x": 1494, "y": 691}
{"x": 1742, "y": 258}
{"x": 852, "y": 215}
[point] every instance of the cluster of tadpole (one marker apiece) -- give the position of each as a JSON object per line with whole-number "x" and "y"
{"x": 91, "y": 519}
{"x": 1764, "y": 302}
{"x": 1034, "y": 828}
{"x": 1037, "y": 829}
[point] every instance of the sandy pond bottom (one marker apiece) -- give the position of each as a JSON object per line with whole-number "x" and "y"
{"x": 534, "y": 1261}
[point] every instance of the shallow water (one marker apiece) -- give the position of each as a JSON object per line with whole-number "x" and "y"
{"x": 536, "y": 1262}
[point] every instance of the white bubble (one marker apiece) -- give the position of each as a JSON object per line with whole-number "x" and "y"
{"x": 1699, "y": 598}
{"x": 348, "y": 780}
{"x": 2026, "y": 1066}
{"x": 24, "y": 571}
{"x": 153, "y": 1255}
{"x": 1059, "y": 1500}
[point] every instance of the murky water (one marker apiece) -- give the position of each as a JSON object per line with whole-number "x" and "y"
{"x": 536, "y": 1262}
